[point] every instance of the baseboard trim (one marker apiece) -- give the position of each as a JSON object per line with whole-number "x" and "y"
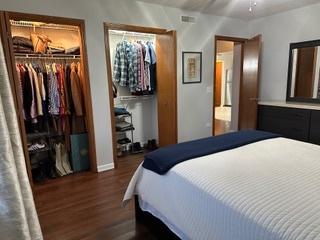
{"x": 105, "y": 167}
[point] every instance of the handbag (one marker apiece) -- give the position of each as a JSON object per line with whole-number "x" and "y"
{"x": 79, "y": 152}
{"x": 40, "y": 42}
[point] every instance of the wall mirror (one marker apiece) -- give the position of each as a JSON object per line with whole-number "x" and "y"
{"x": 304, "y": 72}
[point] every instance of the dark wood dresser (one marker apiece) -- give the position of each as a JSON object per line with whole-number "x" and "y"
{"x": 300, "y": 122}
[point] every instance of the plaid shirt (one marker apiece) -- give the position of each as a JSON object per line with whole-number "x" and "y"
{"x": 125, "y": 68}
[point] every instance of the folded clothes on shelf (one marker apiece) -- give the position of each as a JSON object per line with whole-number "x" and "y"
{"x": 124, "y": 141}
{"x": 55, "y": 48}
{"x": 73, "y": 50}
{"x": 124, "y": 126}
{"x": 22, "y": 41}
{"x": 120, "y": 111}
{"x": 22, "y": 49}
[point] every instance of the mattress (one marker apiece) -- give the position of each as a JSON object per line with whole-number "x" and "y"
{"x": 265, "y": 190}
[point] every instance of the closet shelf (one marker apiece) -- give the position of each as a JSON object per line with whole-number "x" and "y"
{"x": 46, "y": 56}
{"x": 127, "y": 130}
{"x": 123, "y": 115}
{"x": 130, "y": 98}
{"x": 43, "y": 25}
{"x": 37, "y": 135}
{"x": 31, "y": 136}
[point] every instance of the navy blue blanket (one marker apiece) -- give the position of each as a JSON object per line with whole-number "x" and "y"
{"x": 163, "y": 159}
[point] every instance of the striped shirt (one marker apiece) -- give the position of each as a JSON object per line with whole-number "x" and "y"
{"x": 125, "y": 68}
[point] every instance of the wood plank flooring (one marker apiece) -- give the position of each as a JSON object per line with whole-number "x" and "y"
{"x": 89, "y": 206}
{"x": 221, "y": 127}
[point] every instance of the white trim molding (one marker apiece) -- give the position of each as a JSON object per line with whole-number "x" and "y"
{"x": 106, "y": 167}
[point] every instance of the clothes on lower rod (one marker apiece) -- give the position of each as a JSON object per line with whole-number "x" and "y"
{"x": 53, "y": 89}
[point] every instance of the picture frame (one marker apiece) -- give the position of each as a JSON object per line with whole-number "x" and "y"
{"x": 191, "y": 67}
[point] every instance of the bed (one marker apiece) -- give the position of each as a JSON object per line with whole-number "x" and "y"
{"x": 268, "y": 189}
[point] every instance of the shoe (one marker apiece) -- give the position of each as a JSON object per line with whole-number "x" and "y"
{"x": 153, "y": 145}
{"x": 59, "y": 168}
{"x": 36, "y": 146}
{"x": 65, "y": 160}
{"x": 136, "y": 147}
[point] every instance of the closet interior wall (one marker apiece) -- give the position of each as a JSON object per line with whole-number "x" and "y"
{"x": 143, "y": 108}
{"x": 66, "y": 133}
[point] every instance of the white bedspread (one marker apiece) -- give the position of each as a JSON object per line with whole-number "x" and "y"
{"x": 265, "y": 190}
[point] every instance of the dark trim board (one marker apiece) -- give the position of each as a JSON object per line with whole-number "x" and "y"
{"x": 153, "y": 224}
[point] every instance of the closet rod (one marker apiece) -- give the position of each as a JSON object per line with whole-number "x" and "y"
{"x": 47, "y": 56}
{"x": 43, "y": 25}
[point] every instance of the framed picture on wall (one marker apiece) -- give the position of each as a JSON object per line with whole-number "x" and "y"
{"x": 191, "y": 67}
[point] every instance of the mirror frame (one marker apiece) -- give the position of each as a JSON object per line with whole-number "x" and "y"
{"x": 314, "y": 43}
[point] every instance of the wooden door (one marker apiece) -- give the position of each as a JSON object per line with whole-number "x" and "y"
{"x": 250, "y": 83}
{"x": 166, "y": 48}
{"x": 217, "y": 84}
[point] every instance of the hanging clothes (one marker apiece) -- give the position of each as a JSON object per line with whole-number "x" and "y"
{"x": 76, "y": 90}
{"x": 54, "y": 97}
{"x": 135, "y": 67}
{"x": 125, "y": 70}
{"x": 37, "y": 93}
{"x": 153, "y": 66}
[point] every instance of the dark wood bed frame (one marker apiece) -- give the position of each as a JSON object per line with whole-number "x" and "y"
{"x": 153, "y": 224}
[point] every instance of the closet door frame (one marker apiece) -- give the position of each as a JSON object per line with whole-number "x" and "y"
{"x": 87, "y": 92}
{"x": 130, "y": 28}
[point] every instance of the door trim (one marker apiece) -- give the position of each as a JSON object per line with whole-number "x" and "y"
{"x": 88, "y": 100}
{"x": 130, "y": 28}
{"x": 230, "y": 39}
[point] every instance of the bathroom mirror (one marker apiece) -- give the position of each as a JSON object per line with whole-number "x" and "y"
{"x": 304, "y": 72}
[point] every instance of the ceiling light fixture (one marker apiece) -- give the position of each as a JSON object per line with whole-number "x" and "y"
{"x": 252, "y": 5}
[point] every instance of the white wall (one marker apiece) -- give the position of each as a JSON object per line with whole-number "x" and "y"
{"x": 194, "y": 104}
{"x": 236, "y": 78}
{"x": 278, "y": 31}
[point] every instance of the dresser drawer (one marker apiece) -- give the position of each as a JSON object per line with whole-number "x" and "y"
{"x": 289, "y": 122}
{"x": 315, "y": 127}
{"x": 293, "y": 114}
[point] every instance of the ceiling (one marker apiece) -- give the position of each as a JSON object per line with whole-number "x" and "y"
{"x": 236, "y": 8}
{"x": 224, "y": 46}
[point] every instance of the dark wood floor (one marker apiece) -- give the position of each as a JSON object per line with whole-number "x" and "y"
{"x": 89, "y": 206}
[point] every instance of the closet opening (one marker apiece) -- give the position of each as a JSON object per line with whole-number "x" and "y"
{"x": 52, "y": 91}
{"x": 141, "y": 65}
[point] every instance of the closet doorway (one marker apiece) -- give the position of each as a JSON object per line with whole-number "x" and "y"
{"x": 142, "y": 79}
{"x": 236, "y": 78}
{"x": 48, "y": 70}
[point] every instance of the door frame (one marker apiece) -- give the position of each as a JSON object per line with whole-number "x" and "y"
{"x": 130, "y": 28}
{"x": 230, "y": 39}
{"x": 87, "y": 91}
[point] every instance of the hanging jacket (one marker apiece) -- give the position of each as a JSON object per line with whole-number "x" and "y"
{"x": 76, "y": 90}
